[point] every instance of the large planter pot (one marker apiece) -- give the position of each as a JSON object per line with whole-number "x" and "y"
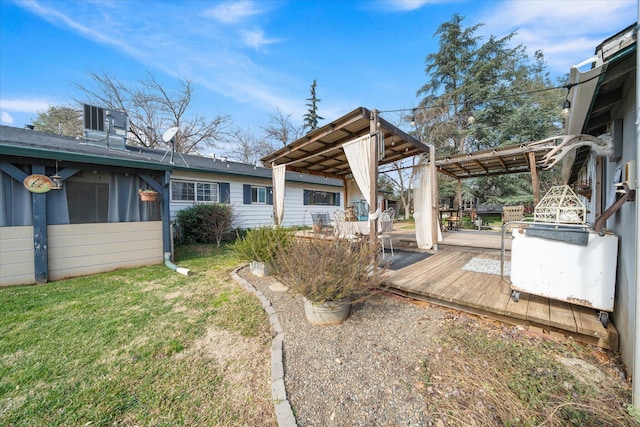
{"x": 327, "y": 312}
{"x": 148, "y": 196}
{"x": 259, "y": 269}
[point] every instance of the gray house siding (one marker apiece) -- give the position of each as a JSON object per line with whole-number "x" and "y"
{"x": 624, "y": 224}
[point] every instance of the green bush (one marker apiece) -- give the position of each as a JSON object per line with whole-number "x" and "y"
{"x": 204, "y": 223}
{"x": 262, "y": 243}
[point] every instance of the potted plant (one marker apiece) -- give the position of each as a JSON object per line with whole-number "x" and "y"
{"x": 148, "y": 195}
{"x": 330, "y": 276}
{"x": 260, "y": 246}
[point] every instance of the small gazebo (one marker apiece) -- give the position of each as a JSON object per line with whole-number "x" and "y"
{"x": 353, "y": 147}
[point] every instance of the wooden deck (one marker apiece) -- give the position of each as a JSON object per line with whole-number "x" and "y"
{"x": 440, "y": 279}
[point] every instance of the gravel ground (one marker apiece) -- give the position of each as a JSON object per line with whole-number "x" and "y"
{"x": 364, "y": 372}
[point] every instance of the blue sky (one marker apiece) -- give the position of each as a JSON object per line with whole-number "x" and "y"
{"x": 249, "y": 58}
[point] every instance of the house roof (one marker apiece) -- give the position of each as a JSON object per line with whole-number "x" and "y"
{"x": 593, "y": 102}
{"x": 28, "y": 143}
{"x": 320, "y": 151}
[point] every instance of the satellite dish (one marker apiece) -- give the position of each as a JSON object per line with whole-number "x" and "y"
{"x": 170, "y": 133}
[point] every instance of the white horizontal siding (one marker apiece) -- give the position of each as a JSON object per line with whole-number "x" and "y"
{"x": 81, "y": 249}
{"x": 254, "y": 215}
{"x": 16, "y": 256}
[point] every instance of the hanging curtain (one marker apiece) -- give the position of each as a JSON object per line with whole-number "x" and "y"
{"x": 57, "y": 206}
{"x": 278, "y": 176}
{"x": 422, "y": 207}
{"x": 124, "y": 202}
{"x": 15, "y": 202}
{"x": 359, "y": 158}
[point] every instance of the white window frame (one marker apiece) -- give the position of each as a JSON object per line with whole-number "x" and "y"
{"x": 258, "y": 190}
{"x": 203, "y": 191}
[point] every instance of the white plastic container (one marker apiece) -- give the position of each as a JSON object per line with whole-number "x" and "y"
{"x": 577, "y": 274}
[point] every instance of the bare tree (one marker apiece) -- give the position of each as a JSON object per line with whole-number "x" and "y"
{"x": 152, "y": 108}
{"x": 247, "y": 148}
{"x": 281, "y": 129}
{"x": 400, "y": 175}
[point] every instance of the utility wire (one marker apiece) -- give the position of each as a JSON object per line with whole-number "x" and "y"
{"x": 546, "y": 89}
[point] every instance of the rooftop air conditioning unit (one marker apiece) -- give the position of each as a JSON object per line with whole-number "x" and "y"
{"x": 106, "y": 128}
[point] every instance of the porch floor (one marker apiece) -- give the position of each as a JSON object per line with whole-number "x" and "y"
{"x": 447, "y": 278}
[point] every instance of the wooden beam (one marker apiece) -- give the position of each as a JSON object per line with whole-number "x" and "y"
{"x": 535, "y": 182}
{"x": 480, "y": 165}
{"x": 373, "y": 177}
{"x": 435, "y": 203}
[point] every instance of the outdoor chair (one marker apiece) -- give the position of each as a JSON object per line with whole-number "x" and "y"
{"x": 512, "y": 213}
{"x": 453, "y": 222}
{"x": 343, "y": 228}
{"x": 321, "y": 221}
{"x": 386, "y": 227}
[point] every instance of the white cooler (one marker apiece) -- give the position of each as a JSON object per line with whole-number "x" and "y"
{"x": 583, "y": 274}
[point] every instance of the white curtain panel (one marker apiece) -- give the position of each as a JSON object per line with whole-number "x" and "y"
{"x": 359, "y": 158}
{"x": 422, "y": 207}
{"x": 278, "y": 193}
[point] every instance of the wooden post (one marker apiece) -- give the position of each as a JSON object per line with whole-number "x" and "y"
{"x": 346, "y": 193}
{"x": 435, "y": 209}
{"x": 373, "y": 176}
{"x": 40, "y": 238}
{"x": 459, "y": 201}
{"x": 535, "y": 182}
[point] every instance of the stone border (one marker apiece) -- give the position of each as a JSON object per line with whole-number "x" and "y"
{"x": 284, "y": 413}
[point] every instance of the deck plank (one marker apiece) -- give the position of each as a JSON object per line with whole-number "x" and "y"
{"x": 517, "y": 309}
{"x": 538, "y": 309}
{"x": 496, "y": 296}
{"x": 441, "y": 279}
{"x": 561, "y": 315}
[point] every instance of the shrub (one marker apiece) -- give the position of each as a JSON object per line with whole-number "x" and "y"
{"x": 204, "y": 223}
{"x": 322, "y": 270}
{"x": 262, "y": 243}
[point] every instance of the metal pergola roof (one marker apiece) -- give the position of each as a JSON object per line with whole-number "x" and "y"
{"x": 502, "y": 160}
{"x": 320, "y": 151}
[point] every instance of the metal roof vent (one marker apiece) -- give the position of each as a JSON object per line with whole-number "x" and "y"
{"x": 105, "y": 128}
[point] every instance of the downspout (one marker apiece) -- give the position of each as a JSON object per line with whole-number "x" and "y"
{"x": 166, "y": 226}
{"x": 168, "y": 263}
{"x": 636, "y": 349}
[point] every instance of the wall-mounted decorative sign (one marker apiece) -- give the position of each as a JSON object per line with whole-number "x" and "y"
{"x": 37, "y": 183}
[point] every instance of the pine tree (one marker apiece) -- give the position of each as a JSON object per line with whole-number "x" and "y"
{"x": 311, "y": 118}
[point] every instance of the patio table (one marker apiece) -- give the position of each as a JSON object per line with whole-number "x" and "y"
{"x": 347, "y": 229}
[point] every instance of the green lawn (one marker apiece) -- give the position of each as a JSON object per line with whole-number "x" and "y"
{"x": 136, "y": 347}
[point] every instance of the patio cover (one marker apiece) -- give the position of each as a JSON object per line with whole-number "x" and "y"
{"x": 320, "y": 152}
{"x": 501, "y": 160}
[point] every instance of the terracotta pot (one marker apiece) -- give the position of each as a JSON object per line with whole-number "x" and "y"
{"x": 327, "y": 312}
{"x": 147, "y": 196}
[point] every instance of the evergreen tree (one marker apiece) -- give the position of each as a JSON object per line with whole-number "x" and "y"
{"x": 311, "y": 118}
{"x": 484, "y": 94}
{"x": 61, "y": 120}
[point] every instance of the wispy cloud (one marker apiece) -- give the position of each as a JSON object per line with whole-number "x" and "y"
{"x": 195, "y": 48}
{"x": 407, "y": 5}
{"x": 232, "y": 12}
{"x": 25, "y": 105}
{"x": 558, "y": 28}
{"x": 6, "y": 118}
{"x": 256, "y": 39}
